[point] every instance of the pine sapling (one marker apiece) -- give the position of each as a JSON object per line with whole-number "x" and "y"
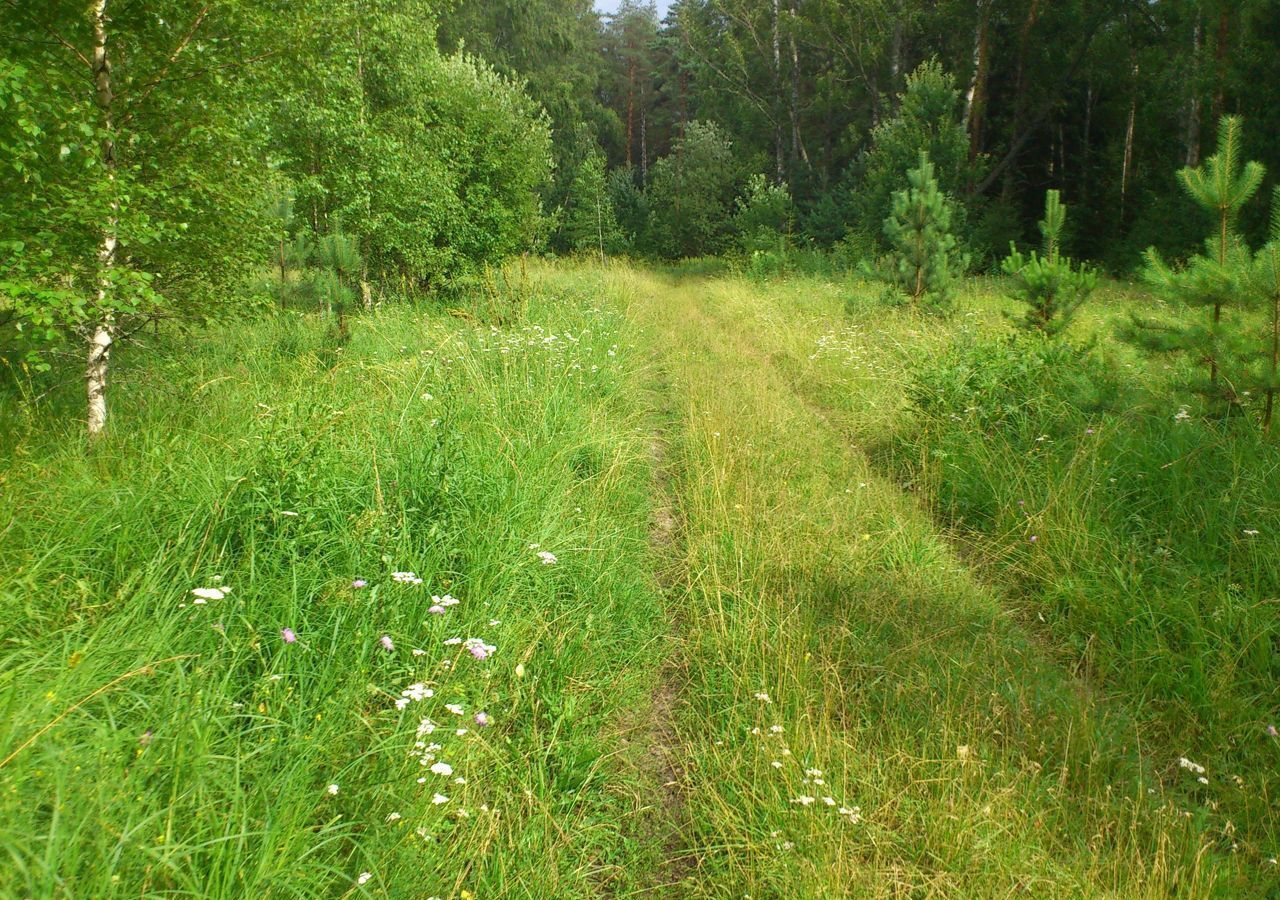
{"x": 1051, "y": 286}
{"x": 1215, "y": 281}
{"x": 340, "y": 262}
{"x": 1266, "y": 280}
{"x": 923, "y": 251}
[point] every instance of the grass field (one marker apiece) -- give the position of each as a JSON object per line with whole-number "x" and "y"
{"x": 735, "y": 615}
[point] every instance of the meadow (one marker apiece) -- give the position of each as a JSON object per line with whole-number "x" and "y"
{"x": 639, "y": 582}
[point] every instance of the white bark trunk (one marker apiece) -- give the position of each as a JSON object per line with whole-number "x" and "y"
{"x": 99, "y": 357}
{"x": 96, "y": 377}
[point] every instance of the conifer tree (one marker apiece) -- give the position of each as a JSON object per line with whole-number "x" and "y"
{"x": 1266, "y": 280}
{"x": 1215, "y": 284}
{"x": 1047, "y": 282}
{"x": 340, "y": 262}
{"x": 923, "y": 255}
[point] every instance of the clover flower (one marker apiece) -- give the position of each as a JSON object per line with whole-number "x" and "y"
{"x": 478, "y": 648}
{"x": 288, "y": 635}
{"x": 387, "y": 643}
{"x": 359, "y": 583}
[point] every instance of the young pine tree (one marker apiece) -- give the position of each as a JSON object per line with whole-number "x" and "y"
{"x": 1216, "y": 285}
{"x": 923, "y": 256}
{"x": 1047, "y": 282}
{"x": 1266, "y": 282}
{"x": 340, "y": 263}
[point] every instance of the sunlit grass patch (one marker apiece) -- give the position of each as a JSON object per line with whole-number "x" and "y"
{"x": 376, "y": 609}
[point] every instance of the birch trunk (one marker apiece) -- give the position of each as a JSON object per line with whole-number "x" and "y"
{"x": 1193, "y": 101}
{"x": 797, "y": 142}
{"x": 777, "y": 90}
{"x": 1126, "y": 165}
{"x": 103, "y": 334}
{"x": 976, "y": 98}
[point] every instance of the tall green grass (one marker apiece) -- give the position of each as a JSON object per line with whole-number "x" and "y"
{"x": 858, "y": 714}
{"x": 1144, "y": 533}
{"x": 152, "y": 745}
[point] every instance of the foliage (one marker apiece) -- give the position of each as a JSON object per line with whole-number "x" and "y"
{"x": 548, "y": 47}
{"x": 1214, "y": 283}
{"x": 590, "y": 224}
{"x": 1052, "y": 288}
{"x": 764, "y": 215}
{"x": 432, "y": 164}
{"x": 171, "y": 172}
{"x": 923, "y": 257}
{"x": 1265, "y": 281}
{"x": 690, "y": 195}
{"x": 629, "y": 203}
{"x": 927, "y": 121}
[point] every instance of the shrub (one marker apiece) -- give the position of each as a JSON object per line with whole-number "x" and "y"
{"x": 764, "y": 217}
{"x": 690, "y": 193}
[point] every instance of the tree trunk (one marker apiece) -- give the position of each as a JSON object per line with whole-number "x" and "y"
{"x": 1126, "y": 165}
{"x": 895, "y": 51}
{"x": 777, "y": 91}
{"x": 631, "y": 108}
{"x": 1024, "y": 45}
{"x": 976, "y": 98}
{"x": 1193, "y": 100}
{"x": 797, "y": 143}
{"x": 644, "y": 143}
{"x": 1220, "y": 56}
{"x": 103, "y": 335}
{"x": 1088, "y": 142}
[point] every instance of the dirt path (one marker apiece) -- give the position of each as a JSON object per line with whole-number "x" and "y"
{"x": 665, "y": 768}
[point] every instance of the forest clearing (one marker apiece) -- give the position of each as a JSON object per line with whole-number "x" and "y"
{"x": 457, "y": 450}
{"x": 811, "y": 688}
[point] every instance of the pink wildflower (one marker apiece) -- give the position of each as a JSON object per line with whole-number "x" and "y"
{"x": 288, "y": 635}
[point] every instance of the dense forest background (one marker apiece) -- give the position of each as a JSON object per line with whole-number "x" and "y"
{"x": 183, "y": 161}
{"x": 1103, "y": 99}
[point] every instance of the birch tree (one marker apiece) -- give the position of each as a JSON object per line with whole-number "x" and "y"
{"x": 137, "y": 194}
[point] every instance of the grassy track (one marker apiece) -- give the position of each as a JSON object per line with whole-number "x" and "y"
{"x": 828, "y": 627}
{"x": 753, "y": 665}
